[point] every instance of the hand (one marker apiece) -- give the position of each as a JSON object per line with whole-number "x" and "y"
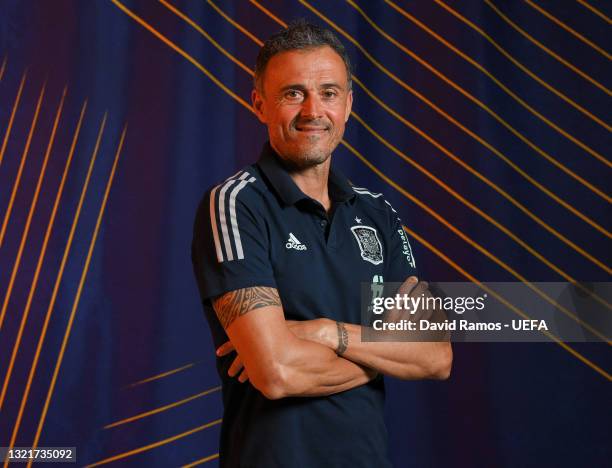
{"x": 236, "y": 365}
{"x": 321, "y": 330}
{"x": 412, "y": 287}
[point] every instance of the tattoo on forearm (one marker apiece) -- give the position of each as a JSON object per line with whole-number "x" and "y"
{"x": 342, "y": 339}
{"x": 232, "y": 305}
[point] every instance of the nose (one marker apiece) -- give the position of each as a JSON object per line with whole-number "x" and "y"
{"x": 311, "y": 107}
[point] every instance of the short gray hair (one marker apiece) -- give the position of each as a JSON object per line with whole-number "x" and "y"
{"x": 299, "y": 35}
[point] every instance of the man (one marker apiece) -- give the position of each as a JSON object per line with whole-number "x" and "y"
{"x": 280, "y": 251}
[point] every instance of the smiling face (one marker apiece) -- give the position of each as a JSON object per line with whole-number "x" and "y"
{"x": 305, "y": 101}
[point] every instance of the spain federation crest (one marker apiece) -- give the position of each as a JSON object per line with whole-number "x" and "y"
{"x": 369, "y": 244}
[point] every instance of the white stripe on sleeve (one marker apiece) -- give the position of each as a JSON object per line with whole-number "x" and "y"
{"x": 223, "y": 217}
{"x": 234, "y": 219}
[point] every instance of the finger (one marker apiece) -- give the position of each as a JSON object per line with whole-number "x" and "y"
{"x": 408, "y": 285}
{"x": 421, "y": 288}
{"x": 225, "y": 348}
{"x": 235, "y": 367}
{"x": 243, "y": 377}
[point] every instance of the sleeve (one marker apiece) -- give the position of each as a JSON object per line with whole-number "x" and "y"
{"x": 230, "y": 247}
{"x": 401, "y": 263}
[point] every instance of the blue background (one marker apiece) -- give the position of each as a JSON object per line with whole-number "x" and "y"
{"x": 138, "y": 315}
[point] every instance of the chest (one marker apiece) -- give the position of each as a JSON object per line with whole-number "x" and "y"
{"x": 320, "y": 265}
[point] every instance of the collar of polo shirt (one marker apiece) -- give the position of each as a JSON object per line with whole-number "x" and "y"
{"x": 270, "y": 164}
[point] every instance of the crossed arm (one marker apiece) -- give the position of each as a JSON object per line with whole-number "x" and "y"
{"x": 314, "y": 357}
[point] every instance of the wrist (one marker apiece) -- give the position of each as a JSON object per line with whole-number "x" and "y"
{"x": 341, "y": 338}
{"x": 330, "y": 334}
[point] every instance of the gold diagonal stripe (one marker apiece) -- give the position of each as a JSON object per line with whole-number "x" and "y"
{"x": 467, "y": 239}
{"x": 447, "y": 116}
{"x": 22, "y": 243}
{"x": 498, "y": 189}
{"x": 471, "y": 278}
{"x": 205, "y": 34}
{"x": 43, "y": 250}
{"x": 24, "y": 156}
{"x": 438, "y": 217}
{"x": 595, "y": 11}
{"x": 269, "y": 13}
{"x": 3, "y": 67}
{"x": 522, "y": 67}
{"x": 77, "y": 298}
{"x": 163, "y": 408}
{"x": 155, "y": 444}
{"x": 240, "y": 28}
{"x": 498, "y": 82}
{"x": 7, "y": 134}
{"x": 75, "y": 221}
{"x": 476, "y": 101}
{"x": 463, "y": 200}
{"x": 565, "y": 27}
{"x": 541, "y": 46}
{"x": 201, "y": 461}
{"x": 161, "y": 375}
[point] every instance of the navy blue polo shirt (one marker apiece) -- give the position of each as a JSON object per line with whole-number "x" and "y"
{"x": 257, "y": 228}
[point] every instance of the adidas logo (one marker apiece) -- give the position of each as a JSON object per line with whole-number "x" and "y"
{"x": 294, "y": 243}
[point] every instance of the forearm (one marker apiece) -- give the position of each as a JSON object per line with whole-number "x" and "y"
{"x": 311, "y": 369}
{"x": 404, "y": 360}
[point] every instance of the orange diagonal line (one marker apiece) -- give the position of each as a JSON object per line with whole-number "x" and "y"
{"x": 201, "y": 461}
{"x": 565, "y": 27}
{"x": 41, "y": 257}
{"x": 155, "y": 444}
{"x": 75, "y": 221}
{"x": 479, "y": 103}
{"x": 435, "y": 215}
{"x": 3, "y": 67}
{"x": 161, "y": 375}
{"x": 471, "y": 278}
{"x": 497, "y": 153}
{"x": 522, "y": 67}
{"x": 498, "y": 82}
{"x": 240, "y": 28}
{"x": 461, "y": 198}
{"x": 7, "y": 134}
{"x": 24, "y": 156}
{"x": 595, "y": 11}
{"x": 24, "y": 236}
{"x": 205, "y": 34}
{"x": 554, "y": 55}
{"x": 77, "y": 298}
{"x": 162, "y": 408}
{"x": 269, "y": 13}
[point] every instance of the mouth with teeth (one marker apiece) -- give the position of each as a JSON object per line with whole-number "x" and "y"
{"x": 310, "y": 128}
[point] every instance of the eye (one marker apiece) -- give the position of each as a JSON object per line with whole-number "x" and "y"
{"x": 293, "y": 94}
{"x": 330, "y": 94}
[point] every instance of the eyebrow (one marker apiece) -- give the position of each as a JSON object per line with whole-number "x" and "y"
{"x": 301, "y": 87}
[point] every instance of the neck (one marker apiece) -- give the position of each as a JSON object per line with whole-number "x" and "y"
{"x": 313, "y": 182}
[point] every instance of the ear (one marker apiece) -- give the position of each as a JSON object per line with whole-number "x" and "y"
{"x": 349, "y": 105}
{"x": 258, "y": 105}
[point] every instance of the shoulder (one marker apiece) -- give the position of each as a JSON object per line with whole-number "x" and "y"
{"x": 244, "y": 189}
{"x": 374, "y": 200}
